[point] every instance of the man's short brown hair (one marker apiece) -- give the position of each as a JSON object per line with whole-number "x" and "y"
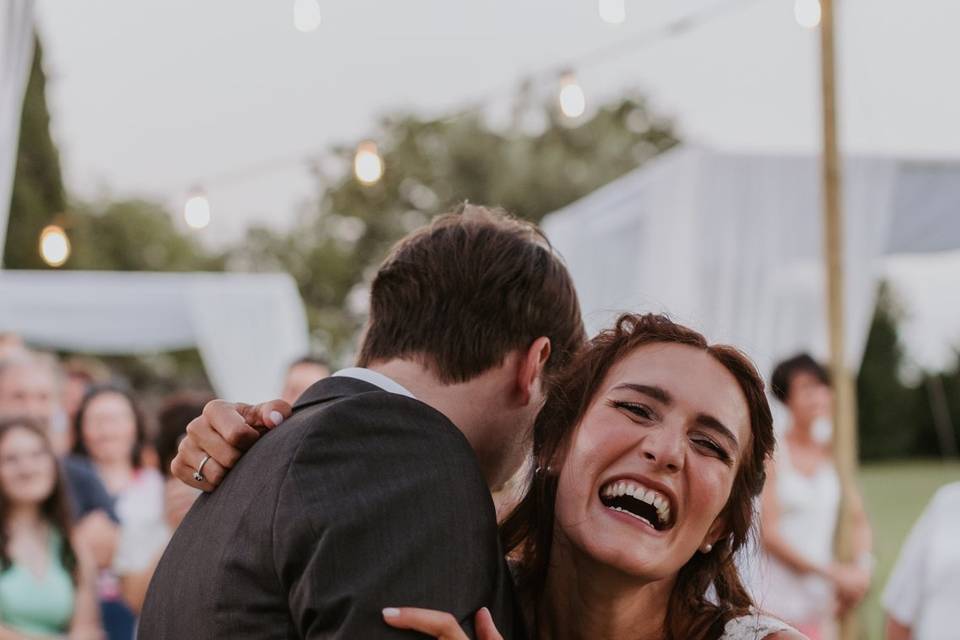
{"x": 464, "y": 291}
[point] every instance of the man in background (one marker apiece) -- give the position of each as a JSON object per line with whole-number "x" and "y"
{"x": 301, "y": 374}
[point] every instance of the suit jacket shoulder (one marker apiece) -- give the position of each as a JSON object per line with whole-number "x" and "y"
{"x": 362, "y": 499}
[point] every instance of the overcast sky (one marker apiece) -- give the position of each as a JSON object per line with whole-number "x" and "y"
{"x": 151, "y": 97}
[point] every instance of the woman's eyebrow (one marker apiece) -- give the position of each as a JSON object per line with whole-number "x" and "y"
{"x": 708, "y": 421}
{"x": 657, "y": 393}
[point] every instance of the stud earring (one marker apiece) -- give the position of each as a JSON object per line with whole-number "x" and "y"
{"x": 707, "y": 548}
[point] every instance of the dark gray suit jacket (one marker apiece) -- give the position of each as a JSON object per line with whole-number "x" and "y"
{"x": 362, "y": 499}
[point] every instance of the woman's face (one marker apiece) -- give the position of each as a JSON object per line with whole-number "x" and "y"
{"x": 28, "y": 472}
{"x": 109, "y": 428}
{"x": 652, "y": 463}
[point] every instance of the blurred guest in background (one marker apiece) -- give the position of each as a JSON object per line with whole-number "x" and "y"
{"x": 923, "y": 593}
{"x": 800, "y": 581}
{"x": 30, "y": 387}
{"x": 11, "y": 346}
{"x": 301, "y": 374}
{"x": 110, "y": 431}
{"x": 140, "y": 548}
{"x": 47, "y": 584}
{"x": 81, "y": 374}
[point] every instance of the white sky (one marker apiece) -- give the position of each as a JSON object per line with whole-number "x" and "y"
{"x": 150, "y": 97}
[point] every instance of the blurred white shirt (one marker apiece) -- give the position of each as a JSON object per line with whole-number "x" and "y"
{"x": 924, "y": 589}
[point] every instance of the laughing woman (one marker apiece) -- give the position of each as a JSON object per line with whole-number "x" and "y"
{"x": 45, "y": 591}
{"x": 650, "y": 452}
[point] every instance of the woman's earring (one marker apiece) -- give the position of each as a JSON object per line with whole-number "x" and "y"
{"x": 707, "y": 548}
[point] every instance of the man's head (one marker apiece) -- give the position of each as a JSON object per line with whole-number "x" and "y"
{"x": 472, "y": 293}
{"x": 30, "y": 387}
{"x": 302, "y": 373}
{"x": 803, "y": 385}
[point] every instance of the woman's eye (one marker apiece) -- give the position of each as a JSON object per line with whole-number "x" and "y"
{"x": 713, "y": 447}
{"x": 639, "y": 410}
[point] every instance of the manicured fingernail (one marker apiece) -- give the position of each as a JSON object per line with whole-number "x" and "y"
{"x": 277, "y": 418}
{"x": 390, "y": 612}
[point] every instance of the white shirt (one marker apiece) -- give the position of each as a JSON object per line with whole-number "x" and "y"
{"x": 376, "y": 379}
{"x": 923, "y": 592}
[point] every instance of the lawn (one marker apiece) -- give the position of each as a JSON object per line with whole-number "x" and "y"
{"x": 896, "y": 494}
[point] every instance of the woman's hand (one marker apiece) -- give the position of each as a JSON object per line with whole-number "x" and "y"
{"x": 851, "y": 583}
{"x": 224, "y": 432}
{"x": 440, "y": 625}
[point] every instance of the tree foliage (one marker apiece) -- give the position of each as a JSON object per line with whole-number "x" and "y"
{"x": 432, "y": 165}
{"x": 38, "y": 194}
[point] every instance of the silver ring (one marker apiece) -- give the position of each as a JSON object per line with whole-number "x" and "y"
{"x": 198, "y": 474}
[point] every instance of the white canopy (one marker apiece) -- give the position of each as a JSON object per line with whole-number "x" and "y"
{"x": 247, "y": 327}
{"x": 16, "y": 53}
{"x": 732, "y": 245}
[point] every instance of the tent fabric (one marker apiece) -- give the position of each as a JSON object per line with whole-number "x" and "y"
{"x": 247, "y": 327}
{"x": 16, "y": 54}
{"x": 731, "y": 244}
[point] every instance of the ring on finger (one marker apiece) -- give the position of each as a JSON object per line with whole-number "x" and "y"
{"x": 198, "y": 474}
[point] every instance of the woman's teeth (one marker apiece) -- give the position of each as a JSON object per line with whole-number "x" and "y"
{"x": 637, "y": 491}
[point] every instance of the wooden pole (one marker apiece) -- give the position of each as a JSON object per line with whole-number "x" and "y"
{"x": 844, "y": 439}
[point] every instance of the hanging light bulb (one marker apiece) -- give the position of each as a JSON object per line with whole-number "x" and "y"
{"x": 807, "y": 13}
{"x": 367, "y": 163}
{"x": 306, "y": 15}
{"x": 54, "y": 245}
{"x": 572, "y": 100}
{"x": 196, "y": 210}
{"x": 612, "y": 11}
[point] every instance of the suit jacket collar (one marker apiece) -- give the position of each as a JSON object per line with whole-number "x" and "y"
{"x": 331, "y": 389}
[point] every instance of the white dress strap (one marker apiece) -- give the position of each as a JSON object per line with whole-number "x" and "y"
{"x": 755, "y": 626}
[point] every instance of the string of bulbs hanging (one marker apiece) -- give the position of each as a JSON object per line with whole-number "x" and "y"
{"x": 368, "y": 163}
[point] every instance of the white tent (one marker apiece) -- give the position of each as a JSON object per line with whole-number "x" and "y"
{"x": 732, "y": 245}
{"x": 16, "y": 53}
{"x": 247, "y": 327}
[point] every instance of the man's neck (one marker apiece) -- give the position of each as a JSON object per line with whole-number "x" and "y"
{"x": 466, "y": 404}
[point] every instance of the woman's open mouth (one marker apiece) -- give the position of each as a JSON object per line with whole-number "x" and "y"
{"x": 639, "y": 501}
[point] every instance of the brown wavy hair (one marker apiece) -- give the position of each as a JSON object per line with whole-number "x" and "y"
{"x": 55, "y": 509}
{"x": 528, "y": 531}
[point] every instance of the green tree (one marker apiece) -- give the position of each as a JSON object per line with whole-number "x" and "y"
{"x": 431, "y": 165}
{"x": 38, "y": 193}
{"x": 133, "y": 235}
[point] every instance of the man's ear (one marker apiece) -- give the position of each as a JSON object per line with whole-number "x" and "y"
{"x": 530, "y": 371}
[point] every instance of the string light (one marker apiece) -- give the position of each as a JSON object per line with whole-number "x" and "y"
{"x": 367, "y": 163}
{"x": 306, "y": 15}
{"x": 572, "y": 97}
{"x": 196, "y": 210}
{"x": 612, "y": 11}
{"x": 807, "y": 13}
{"x": 54, "y": 245}
{"x": 572, "y": 100}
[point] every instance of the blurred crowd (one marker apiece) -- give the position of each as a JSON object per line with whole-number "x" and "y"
{"x": 87, "y": 504}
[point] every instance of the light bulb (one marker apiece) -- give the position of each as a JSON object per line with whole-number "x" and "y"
{"x": 367, "y": 163}
{"x": 306, "y": 15}
{"x": 612, "y": 11}
{"x": 807, "y": 13}
{"x": 196, "y": 210}
{"x": 54, "y": 245}
{"x": 572, "y": 100}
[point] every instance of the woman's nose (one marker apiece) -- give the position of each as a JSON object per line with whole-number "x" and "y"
{"x": 664, "y": 447}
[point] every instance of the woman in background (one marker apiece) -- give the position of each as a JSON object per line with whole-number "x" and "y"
{"x": 46, "y": 583}
{"x": 799, "y": 580}
{"x": 140, "y": 548}
{"x": 110, "y": 431}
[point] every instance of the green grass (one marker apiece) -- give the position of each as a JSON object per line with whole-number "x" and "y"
{"x": 895, "y": 494}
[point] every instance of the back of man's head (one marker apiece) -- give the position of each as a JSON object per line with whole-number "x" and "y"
{"x": 466, "y": 290}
